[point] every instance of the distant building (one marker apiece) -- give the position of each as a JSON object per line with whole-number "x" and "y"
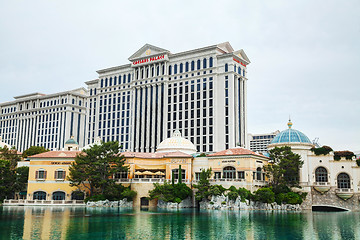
{"x": 259, "y": 142}
{"x": 46, "y": 120}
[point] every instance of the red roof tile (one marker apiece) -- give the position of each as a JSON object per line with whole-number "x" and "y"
{"x": 155, "y": 155}
{"x": 235, "y": 151}
{"x": 56, "y": 154}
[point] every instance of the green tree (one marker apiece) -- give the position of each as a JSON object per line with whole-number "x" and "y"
{"x": 285, "y": 169}
{"x": 34, "y": 150}
{"x": 203, "y": 185}
{"x": 170, "y": 192}
{"x": 10, "y": 155}
{"x": 94, "y": 167}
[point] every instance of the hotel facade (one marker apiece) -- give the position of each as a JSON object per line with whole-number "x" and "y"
{"x": 201, "y": 92}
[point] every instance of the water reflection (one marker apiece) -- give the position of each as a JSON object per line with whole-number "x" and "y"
{"x": 114, "y": 223}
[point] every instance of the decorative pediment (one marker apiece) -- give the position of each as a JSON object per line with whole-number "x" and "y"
{"x": 146, "y": 51}
{"x": 242, "y": 56}
{"x": 226, "y": 47}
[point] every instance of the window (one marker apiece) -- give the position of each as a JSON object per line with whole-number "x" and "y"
{"x": 192, "y": 65}
{"x": 39, "y": 195}
{"x": 343, "y": 180}
{"x": 258, "y": 174}
{"x": 60, "y": 174}
{"x": 58, "y": 195}
{"x": 211, "y": 62}
{"x": 40, "y": 174}
{"x": 198, "y": 64}
{"x": 321, "y": 175}
{"x": 175, "y": 174}
{"x": 217, "y": 175}
{"x": 197, "y": 176}
{"x": 229, "y": 172}
{"x": 226, "y": 67}
{"x": 204, "y": 63}
{"x": 121, "y": 175}
{"x": 241, "y": 175}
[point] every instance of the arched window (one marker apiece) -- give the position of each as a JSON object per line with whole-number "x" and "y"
{"x": 106, "y": 82}
{"x": 152, "y": 71}
{"x": 192, "y": 65}
{"x": 163, "y": 69}
{"x": 343, "y": 180}
{"x": 147, "y": 72}
{"x": 60, "y": 174}
{"x": 244, "y": 72}
{"x": 142, "y": 73}
{"x": 198, "y": 64}
{"x": 239, "y": 70}
{"x": 186, "y": 66}
{"x": 181, "y": 67}
{"x": 175, "y": 69}
{"x": 210, "y": 62}
{"x": 124, "y": 78}
{"x": 229, "y": 172}
{"x": 204, "y": 63}
{"x": 169, "y": 69}
{"x": 129, "y": 77}
{"x": 235, "y": 68}
{"x": 58, "y": 195}
{"x": 258, "y": 173}
{"x": 321, "y": 174}
{"x": 102, "y": 83}
{"x": 115, "y": 80}
{"x": 39, "y": 195}
{"x": 110, "y": 81}
{"x": 120, "y": 77}
{"x": 158, "y": 71}
{"x": 226, "y": 67}
{"x": 40, "y": 174}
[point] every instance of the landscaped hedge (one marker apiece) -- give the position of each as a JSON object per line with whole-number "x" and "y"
{"x": 324, "y": 150}
{"x": 347, "y": 154}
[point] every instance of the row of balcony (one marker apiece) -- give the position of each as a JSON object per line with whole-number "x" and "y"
{"x": 161, "y": 180}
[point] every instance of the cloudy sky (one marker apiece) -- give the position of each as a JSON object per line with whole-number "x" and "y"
{"x": 305, "y": 54}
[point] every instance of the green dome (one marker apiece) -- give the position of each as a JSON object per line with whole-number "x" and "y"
{"x": 291, "y": 136}
{"x": 72, "y": 141}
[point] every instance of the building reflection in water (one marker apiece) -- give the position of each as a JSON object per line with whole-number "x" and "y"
{"x": 115, "y": 223}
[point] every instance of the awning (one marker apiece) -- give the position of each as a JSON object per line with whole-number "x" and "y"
{"x": 148, "y": 173}
{"x": 159, "y": 173}
{"x": 150, "y": 167}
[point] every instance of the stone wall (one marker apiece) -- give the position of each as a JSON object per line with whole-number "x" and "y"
{"x": 331, "y": 199}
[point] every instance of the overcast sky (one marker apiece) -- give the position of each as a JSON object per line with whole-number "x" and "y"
{"x": 305, "y": 55}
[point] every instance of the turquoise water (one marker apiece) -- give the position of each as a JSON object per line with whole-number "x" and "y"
{"x": 114, "y": 223}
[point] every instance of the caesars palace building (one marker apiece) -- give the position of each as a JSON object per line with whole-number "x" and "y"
{"x": 201, "y": 92}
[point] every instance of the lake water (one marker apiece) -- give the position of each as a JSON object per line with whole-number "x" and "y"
{"x": 114, "y": 223}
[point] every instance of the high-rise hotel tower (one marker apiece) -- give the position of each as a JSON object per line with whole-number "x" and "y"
{"x": 201, "y": 92}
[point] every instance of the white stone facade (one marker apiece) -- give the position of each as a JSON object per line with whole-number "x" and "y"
{"x": 44, "y": 120}
{"x": 200, "y": 92}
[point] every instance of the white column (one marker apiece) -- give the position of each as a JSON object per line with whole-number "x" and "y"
{"x": 148, "y": 127}
{"x": 153, "y": 105}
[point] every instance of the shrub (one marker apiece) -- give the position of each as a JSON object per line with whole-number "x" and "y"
{"x": 233, "y": 195}
{"x": 280, "y": 189}
{"x": 347, "y": 154}
{"x": 170, "y": 192}
{"x": 265, "y": 195}
{"x": 95, "y": 198}
{"x": 216, "y": 190}
{"x": 212, "y": 203}
{"x": 244, "y": 194}
{"x": 324, "y": 150}
{"x": 128, "y": 194}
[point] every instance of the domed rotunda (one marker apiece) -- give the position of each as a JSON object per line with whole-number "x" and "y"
{"x": 289, "y": 137}
{"x": 176, "y": 143}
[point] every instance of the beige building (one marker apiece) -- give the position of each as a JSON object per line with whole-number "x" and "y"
{"x": 232, "y": 167}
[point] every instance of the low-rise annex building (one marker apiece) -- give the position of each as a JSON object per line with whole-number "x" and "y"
{"x": 328, "y": 182}
{"x": 232, "y": 167}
